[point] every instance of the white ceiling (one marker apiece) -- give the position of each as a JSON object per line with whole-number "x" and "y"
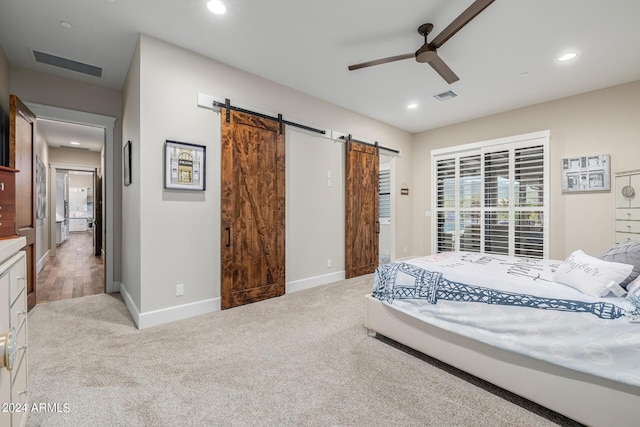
{"x": 505, "y": 57}
{"x": 61, "y": 135}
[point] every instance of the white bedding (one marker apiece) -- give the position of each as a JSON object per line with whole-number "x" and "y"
{"x": 513, "y": 303}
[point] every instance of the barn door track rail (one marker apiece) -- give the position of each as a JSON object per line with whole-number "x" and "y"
{"x": 349, "y": 138}
{"x": 228, "y": 107}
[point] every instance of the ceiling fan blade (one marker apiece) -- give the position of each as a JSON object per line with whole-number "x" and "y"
{"x": 382, "y": 61}
{"x": 443, "y": 69}
{"x": 462, "y": 20}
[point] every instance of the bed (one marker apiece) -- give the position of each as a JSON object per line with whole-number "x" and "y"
{"x": 538, "y": 328}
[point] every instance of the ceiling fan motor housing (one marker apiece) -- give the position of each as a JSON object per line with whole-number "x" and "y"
{"x": 426, "y": 53}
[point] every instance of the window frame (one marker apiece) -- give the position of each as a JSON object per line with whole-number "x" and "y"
{"x": 466, "y": 151}
{"x": 386, "y": 168}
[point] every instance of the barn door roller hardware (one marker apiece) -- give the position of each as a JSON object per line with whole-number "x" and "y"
{"x": 228, "y": 107}
{"x": 349, "y": 139}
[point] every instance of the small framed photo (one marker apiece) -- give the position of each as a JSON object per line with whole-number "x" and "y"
{"x": 126, "y": 163}
{"x": 184, "y": 166}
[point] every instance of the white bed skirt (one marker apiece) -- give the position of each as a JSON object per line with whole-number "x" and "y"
{"x": 588, "y": 399}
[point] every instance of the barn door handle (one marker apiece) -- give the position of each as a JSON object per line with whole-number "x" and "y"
{"x": 228, "y": 236}
{"x": 378, "y": 227}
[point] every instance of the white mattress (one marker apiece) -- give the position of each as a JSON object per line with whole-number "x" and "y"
{"x": 513, "y": 303}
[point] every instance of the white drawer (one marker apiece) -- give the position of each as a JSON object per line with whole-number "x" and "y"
{"x": 628, "y": 214}
{"x": 19, "y": 392}
{"x": 621, "y": 237}
{"x": 19, "y": 383}
{"x": 18, "y": 311}
{"x": 17, "y": 276}
{"x": 22, "y": 349}
{"x": 628, "y": 226}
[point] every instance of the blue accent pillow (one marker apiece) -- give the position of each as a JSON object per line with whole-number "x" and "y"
{"x": 627, "y": 252}
{"x": 634, "y": 296}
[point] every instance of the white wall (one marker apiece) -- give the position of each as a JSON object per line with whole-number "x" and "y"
{"x": 601, "y": 122}
{"x": 179, "y": 232}
{"x": 315, "y": 211}
{"x": 130, "y": 217}
{"x": 46, "y": 90}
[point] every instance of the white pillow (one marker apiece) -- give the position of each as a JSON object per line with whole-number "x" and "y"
{"x": 589, "y": 275}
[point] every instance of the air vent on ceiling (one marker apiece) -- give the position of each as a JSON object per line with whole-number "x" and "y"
{"x": 68, "y": 64}
{"x": 445, "y": 95}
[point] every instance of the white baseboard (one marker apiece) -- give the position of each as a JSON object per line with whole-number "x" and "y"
{"x": 184, "y": 311}
{"x": 311, "y": 282}
{"x": 40, "y": 264}
{"x": 170, "y": 314}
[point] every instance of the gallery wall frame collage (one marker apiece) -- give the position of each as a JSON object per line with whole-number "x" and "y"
{"x": 586, "y": 173}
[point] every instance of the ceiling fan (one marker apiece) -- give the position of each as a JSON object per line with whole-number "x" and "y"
{"x": 428, "y": 52}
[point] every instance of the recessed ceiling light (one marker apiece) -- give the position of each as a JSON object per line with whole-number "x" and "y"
{"x": 66, "y": 24}
{"x": 216, "y": 6}
{"x": 74, "y": 143}
{"x": 412, "y": 106}
{"x": 567, "y": 56}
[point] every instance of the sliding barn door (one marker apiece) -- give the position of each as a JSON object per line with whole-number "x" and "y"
{"x": 362, "y": 225}
{"x": 22, "y": 156}
{"x": 253, "y": 209}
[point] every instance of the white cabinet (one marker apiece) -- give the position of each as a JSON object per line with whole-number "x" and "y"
{"x": 627, "y": 198}
{"x": 62, "y": 231}
{"x": 13, "y": 321}
{"x": 78, "y": 224}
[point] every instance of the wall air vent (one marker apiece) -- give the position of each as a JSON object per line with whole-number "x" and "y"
{"x": 445, "y": 95}
{"x": 67, "y": 64}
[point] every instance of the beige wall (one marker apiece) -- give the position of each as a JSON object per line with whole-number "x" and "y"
{"x": 179, "y": 232}
{"x": 74, "y": 157}
{"x": 43, "y": 243}
{"x": 600, "y": 122}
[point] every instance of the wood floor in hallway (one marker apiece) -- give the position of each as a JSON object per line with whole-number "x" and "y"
{"x": 73, "y": 272}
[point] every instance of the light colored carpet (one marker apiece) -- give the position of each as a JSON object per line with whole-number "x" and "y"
{"x": 303, "y": 359}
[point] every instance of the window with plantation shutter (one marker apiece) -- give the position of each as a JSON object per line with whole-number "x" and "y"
{"x": 492, "y": 197}
{"x": 384, "y": 194}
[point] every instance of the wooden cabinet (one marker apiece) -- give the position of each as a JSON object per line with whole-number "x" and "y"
{"x": 13, "y": 324}
{"x": 627, "y": 198}
{"x": 7, "y": 202}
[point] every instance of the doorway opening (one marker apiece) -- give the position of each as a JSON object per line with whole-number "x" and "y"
{"x": 75, "y": 266}
{"x": 106, "y": 172}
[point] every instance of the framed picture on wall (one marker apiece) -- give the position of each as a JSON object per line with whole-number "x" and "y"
{"x": 126, "y": 163}
{"x": 184, "y": 166}
{"x": 41, "y": 189}
{"x": 586, "y": 173}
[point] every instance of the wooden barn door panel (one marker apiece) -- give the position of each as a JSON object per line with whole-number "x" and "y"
{"x": 22, "y": 156}
{"x": 253, "y": 209}
{"x": 362, "y": 166}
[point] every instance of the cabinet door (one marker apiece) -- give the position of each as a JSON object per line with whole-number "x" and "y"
{"x": 621, "y": 201}
{"x": 634, "y": 181}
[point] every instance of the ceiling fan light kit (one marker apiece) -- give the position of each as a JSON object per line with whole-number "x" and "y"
{"x": 428, "y": 52}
